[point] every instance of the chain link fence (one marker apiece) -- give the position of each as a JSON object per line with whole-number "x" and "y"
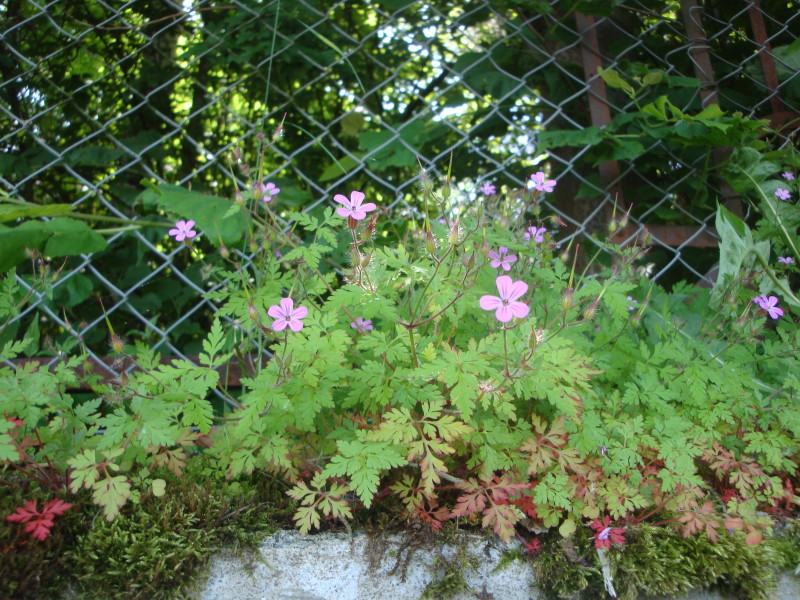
{"x": 98, "y": 95}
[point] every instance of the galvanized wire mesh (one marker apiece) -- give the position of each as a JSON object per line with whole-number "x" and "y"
{"x": 96, "y": 95}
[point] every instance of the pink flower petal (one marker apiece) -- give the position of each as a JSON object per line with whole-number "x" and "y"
{"x": 490, "y": 302}
{"x": 504, "y": 314}
{"x": 518, "y": 289}
{"x": 300, "y": 312}
{"x": 275, "y": 311}
{"x": 295, "y": 324}
{"x": 519, "y": 309}
{"x": 357, "y": 198}
{"x": 287, "y": 304}
{"x": 279, "y": 324}
{"x": 342, "y": 200}
{"x": 504, "y": 285}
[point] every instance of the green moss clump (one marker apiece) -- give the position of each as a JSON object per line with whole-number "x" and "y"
{"x": 565, "y": 569}
{"x": 151, "y": 550}
{"x": 660, "y": 561}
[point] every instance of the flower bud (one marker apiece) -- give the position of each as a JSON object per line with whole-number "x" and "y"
{"x": 567, "y": 299}
{"x": 117, "y": 344}
{"x": 591, "y": 311}
{"x": 365, "y": 258}
{"x": 252, "y": 312}
{"x": 612, "y": 226}
{"x": 425, "y": 181}
{"x": 484, "y": 249}
{"x": 237, "y": 153}
{"x": 223, "y": 250}
{"x": 452, "y": 239}
{"x": 239, "y": 201}
{"x": 430, "y": 243}
{"x": 446, "y": 189}
{"x": 253, "y": 246}
{"x": 645, "y": 239}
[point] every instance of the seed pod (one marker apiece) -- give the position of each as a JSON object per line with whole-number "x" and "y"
{"x": 430, "y": 243}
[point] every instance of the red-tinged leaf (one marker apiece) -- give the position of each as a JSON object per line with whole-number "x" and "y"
{"x": 754, "y": 538}
{"x": 502, "y": 518}
{"x": 38, "y": 523}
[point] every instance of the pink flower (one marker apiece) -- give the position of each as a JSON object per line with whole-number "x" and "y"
{"x": 632, "y": 301}
{"x": 354, "y": 207}
{"x": 788, "y": 176}
{"x": 506, "y": 305}
{"x": 488, "y": 189}
{"x": 37, "y": 523}
{"x": 770, "y": 305}
{"x": 286, "y": 314}
{"x": 541, "y": 183}
{"x": 536, "y": 234}
{"x": 783, "y": 194}
{"x": 361, "y": 325}
{"x": 183, "y": 230}
{"x": 267, "y": 191}
{"x": 502, "y": 258}
{"x": 787, "y": 260}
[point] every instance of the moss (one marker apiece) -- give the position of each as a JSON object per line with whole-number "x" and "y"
{"x": 786, "y": 543}
{"x": 448, "y": 573}
{"x": 661, "y": 561}
{"x": 152, "y": 550}
{"x": 564, "y": 568}
{"x": 31, "y": 569}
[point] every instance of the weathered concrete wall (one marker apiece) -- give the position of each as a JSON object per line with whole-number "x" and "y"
{"x": 337, "y": 567}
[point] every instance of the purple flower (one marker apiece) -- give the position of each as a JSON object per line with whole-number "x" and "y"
{"x": 183, "y": 230}
{"x": 536, "y": 234}
{"x": 541, "y": 183}
{"x": 502, "y": 258}
{"x": 603, "y": 450}
{"x": 361, "y": 325}
{"x": 488, "y": 189}
{"x": 506, "y": 305}
{"x": 770, "y": 305}
{"x": 267, "y": 191}
{"x": 286, "y": 314}
{"x": 354, "y": 207}
{"x": 630, "y": 299}
{"x": 787, "y": 260}
{"x": 603, "y": 535}
{"x": 783, "y": 194}
{"x": 788, "y": 176}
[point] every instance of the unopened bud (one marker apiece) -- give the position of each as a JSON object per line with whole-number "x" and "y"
{"x": 237, "y": 154}
{"x": 365, "y": 258}
{"x": 253, "y": 246}
{"x": 484, "y": 249}
{"x": 430, "y": 243}
{"x": 468, "y": 261}
{"x": 117, "y": 344}
{"x": 425, "y": 181}
{"x": 591, "y": 311}
{"x": 567, "y": 299}
{"x": 240, "y": 201}
{"x": 252, "y": 311}
{"x": 645, "y": 239}
{"x": 452, "y": 239}
{"x": 446, "y": 189}
{"x": 612, "y": 226}
{"x": 223, "y": 250}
